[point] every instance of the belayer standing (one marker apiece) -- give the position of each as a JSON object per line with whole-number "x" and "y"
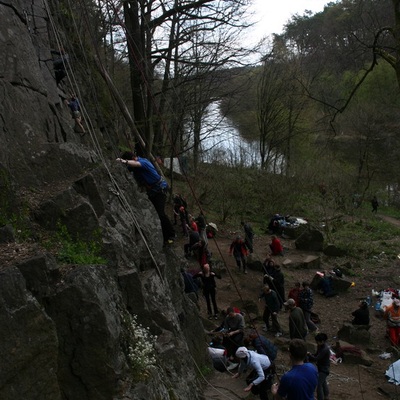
{"x": 147, "y": 176}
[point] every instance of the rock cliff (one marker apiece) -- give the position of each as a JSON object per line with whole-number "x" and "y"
{"x": 71, "y": 331}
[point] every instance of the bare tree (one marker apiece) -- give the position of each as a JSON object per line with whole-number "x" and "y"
{"x": 184, "y": 42}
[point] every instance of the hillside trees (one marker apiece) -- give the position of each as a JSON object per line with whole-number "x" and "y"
{"x": 329, "y": 47}
{"x": 174, "y": 49}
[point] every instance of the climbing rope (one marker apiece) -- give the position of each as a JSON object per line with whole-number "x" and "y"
{"x": 125, "y": 203}
{"x": 73, "y": 82}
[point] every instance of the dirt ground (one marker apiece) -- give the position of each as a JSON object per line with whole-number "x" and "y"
{"x": 346, "y": 381}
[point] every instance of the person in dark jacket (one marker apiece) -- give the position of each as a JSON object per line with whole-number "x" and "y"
{"x": 268, "y": 266}
{"x": 261, "y": 344}
{"x": 322, "y": 358}
{"x": 248, "y": 236}
{"x": 276, "y": 280}
{"x": 179, "y": 202}
{"x": 194, "y": 238}
{"x": 272, "y": 307}
{"x": 233, "y": 331}
{"x": 201, "y": 251}
{"x": 306, "y": 303}
{"x": 240, "y": 252}
{"x": 202, "y": 225}
{"x": 190, "y": 284}
{"x": 361, "y": 315}
{"x": 209, "y": 289}
{"x": 75, "y": 108}
{"x": 374, "y": 204}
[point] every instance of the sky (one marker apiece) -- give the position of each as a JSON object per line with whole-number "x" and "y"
{"x": 272, "y": 15}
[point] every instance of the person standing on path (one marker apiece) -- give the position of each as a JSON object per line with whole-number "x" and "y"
{"x": 272, "y": 307}
{"x": 201, "y": 225}
{"x": 248, "y": 236}
{"x": 297, "y": 322}
{"x": 276, "y": 280}
{"x": 323, "y": 360}
{"x": 209, "y": 289}
{"x": 240, "y": 252}
{"x": 306, "y": 303}
{"x": 374, "y": 204}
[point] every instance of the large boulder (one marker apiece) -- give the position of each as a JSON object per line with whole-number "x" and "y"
{"x": 7, "y": 234}
{"x": 310, "y": 240}
{"x": 351, "y": 354}
{"x": 29, "y": 343}
{"x": 332, "y": 250}
{"x": 308, "y": 262}
{"x": 355, "y": 334}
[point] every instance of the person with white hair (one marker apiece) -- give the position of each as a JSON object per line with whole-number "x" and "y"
{"x": 259, "y": 380}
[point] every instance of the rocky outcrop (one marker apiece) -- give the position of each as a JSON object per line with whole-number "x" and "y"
{"x": 310, "y": 240}
{"x": 67, "y": 329}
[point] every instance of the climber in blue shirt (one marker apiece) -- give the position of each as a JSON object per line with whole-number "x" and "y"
{"x": 147, "y": 176}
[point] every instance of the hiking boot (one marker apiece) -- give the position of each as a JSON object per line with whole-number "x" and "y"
{"x": 210, "y": 317}
{"x": 278, "y": 334}
{"x": 245, "y": 271}
{"x": 216, "y": 316}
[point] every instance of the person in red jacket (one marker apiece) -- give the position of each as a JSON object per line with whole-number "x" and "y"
{"x": 276, "y": 246}
{"x": 240, "y": 252}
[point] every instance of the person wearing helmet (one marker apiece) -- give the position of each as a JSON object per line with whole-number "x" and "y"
{"x": 259, "y": 379}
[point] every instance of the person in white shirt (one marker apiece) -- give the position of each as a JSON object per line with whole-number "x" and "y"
{"x": 259, "y": 380}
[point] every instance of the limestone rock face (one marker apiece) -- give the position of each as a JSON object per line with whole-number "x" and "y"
{"x": 62, "y": 326}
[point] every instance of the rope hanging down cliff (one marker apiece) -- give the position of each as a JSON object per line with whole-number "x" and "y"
{"x": 97, "y": 147}
{"x": 122, "y": 104}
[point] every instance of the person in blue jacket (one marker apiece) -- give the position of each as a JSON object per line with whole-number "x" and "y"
{"x": 147, "y": 176}
{"x": 301, "y": 381}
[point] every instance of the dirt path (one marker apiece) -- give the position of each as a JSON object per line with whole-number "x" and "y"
{"x": 346, "y": 381}
{"x": 391, "y": 220}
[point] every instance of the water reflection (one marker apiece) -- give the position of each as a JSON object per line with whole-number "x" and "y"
{"x": 221, "y": 141}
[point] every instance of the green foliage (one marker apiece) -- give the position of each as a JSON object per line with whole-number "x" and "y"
{"x": 367, "y": 238}
{"x": 205, "y": 371}
{"x": 78, "y": 251}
